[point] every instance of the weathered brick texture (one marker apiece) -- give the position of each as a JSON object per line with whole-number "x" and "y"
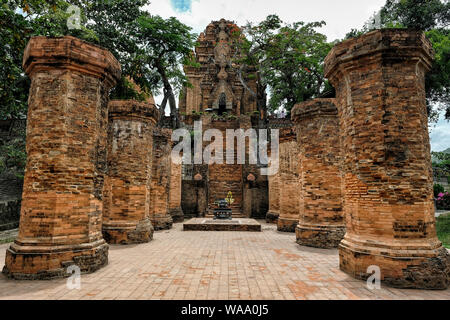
{"x": 175, "y": 193}
{"x": 274, "y": 199}
{"x": 61, "y": 216}
{"x": 289, "y": 182}
{"x": 126, "y": 216}
{"x": 379, "y": 80}
{"x": 160, "y": 182}
{"x": 321, "y": 222}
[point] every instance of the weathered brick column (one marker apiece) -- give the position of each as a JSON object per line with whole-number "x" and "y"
{"x": 321, "y": 222}
{"x": 126, "y": 216}
{"x": 274, "y": 198}
{"x": 288, "y": 182}
{"x": 61, "y": 216}
{"x": 379, "y": 80}
{"x": 160, "y": 185}
{"x": 175, "y": 193}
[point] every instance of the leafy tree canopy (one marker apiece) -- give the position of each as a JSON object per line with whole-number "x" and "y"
{"x": 164, "y": 46}
{"x": 289, "y": 59}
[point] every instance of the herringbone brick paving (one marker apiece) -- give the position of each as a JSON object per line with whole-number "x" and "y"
{"x": 213, "y": 265}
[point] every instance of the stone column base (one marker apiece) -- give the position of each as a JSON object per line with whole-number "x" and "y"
{"x": 177, "y": 214}
{"x": 286, "y": 225}
{"x": 162, "y": 222}
{"x": 128, "y": 232}
{"x": 409, "y": 265}
{"x": 319, "y": 236}
{"x": 272, "y": 217}
{"x": 24, "y": 262}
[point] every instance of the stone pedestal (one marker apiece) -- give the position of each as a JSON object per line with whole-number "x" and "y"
{"x": 321, "y": 222}
{"x": 61, "y": 215}
{"x": 160, "y": 184}
{"x": 289, "y": 181}
{"x": 274, "y": 199}
{"x": 379, "y": 80}
{"x": 175, "y": 193}
{"x": 126, "y": 216}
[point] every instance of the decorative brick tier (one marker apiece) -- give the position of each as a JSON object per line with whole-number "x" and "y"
{"x": 289, "y": 181}
{"x": 175, "y": 193}
{"x": 61, "y": 215}
{"x": 321, "y": 222}
{"x": 160, "y": 183}
{"x": 239, "y": 224}
{"x": 379, "y": 80}
{"x": 126, "y": 216}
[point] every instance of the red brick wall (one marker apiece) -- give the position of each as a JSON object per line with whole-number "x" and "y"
{"x": 321, "y": 221}
{"x": 62, "y": 204}
{"x": 160, "y": 183}
{"x": 289, "y": 181}
{"x": 379, "y": 80}
{"x": 127, "y": 187}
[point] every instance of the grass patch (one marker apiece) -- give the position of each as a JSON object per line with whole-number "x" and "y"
{"x": 443, "y": 229}
{"x": 7, "y": 240}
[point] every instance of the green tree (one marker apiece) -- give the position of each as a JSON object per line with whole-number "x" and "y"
{"x": 164, "y": 46}
{"x": 416, "y": 14}
{"x": 114, "y": 24}
{"x": 289, "y": 59}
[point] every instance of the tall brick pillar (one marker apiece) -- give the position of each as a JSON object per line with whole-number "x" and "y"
{"x": 321, "y": 222}
{"x": 175, "y": 193}
{"x": 61, "y": 215}
{"x": 379, "y": 80}
{"x": 126, "y": 216}
{"x": 274, "y": 199}
{"x": 160, "y": 185}
{"x": 289, "y": 181}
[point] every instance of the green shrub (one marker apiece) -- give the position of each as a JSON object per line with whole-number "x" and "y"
{"x": 437, "y": 188}
{"x": 443, "y": 229}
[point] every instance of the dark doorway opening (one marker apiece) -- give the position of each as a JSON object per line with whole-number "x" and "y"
{"x": 222, "y": 103}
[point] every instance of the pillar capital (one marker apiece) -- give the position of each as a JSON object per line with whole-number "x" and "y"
{"x": 314, "y": 108}
{"x": 379, "y": 45}
{"x": 131, "y": 109}
{"x": 43, "y": 53}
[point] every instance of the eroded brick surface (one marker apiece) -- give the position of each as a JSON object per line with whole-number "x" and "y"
{"x": 62, "y": 204}
{"x": 126, "y": 216}
{"x": 274, "y": 199}
{"x": 175, "y": 193}
{"x": 379, "y": 80}
{"x": 321, "y": 222}
{"x": 160, "y": 182}
{"x": 289, "y": 181}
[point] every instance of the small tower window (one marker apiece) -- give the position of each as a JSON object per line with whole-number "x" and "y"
{"x": 222, "y": 103}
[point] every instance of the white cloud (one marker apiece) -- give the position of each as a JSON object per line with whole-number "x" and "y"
{"x": 340, "y": 16}
{"x": 440, "y": 135}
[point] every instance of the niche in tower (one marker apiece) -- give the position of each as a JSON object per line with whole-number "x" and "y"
{"x": 222, "y": 103}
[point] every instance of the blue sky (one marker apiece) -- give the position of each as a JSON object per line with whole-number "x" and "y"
{"x": 181, "y": 5}
{"x": 440, "y": 134}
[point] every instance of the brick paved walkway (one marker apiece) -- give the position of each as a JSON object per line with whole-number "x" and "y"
{"x": 213, "y": 265}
